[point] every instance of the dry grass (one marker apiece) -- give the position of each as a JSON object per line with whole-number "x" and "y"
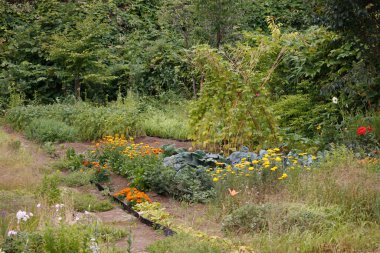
{"x": 20, "y": 164}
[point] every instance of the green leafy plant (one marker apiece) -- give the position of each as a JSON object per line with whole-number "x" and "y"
{"x": 48, "y": 130}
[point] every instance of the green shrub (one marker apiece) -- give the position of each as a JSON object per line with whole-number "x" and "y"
{"x": 49, "y": 130}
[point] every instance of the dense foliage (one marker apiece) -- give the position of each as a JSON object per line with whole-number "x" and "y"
{"x": 260, "y": 72}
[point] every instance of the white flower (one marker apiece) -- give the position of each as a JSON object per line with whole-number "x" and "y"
{"x": 12, "y": 232}
{"x": 335, "y": 100}
{"x": 31, "y": 214}
{"x": 21, "y": 215}
{"x": 59, "y": 218}
{"x": 38, "y": 205}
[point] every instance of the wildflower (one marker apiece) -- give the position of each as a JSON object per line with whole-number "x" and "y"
{"x": 255, "y": 162}
{"x": 22, "y": 215}
{"x": 361, "y": 130}
{"x": 319, "y": 127}
{"x": 232, "y": 192}
{"x": 369, "y": 129}
{"x": 12, "y": 232}
{"x": 284, "y": 175}
{"x": 278, "y": 159}
{"x": 250, "y": 168}
{"x": 38, "y": 205}
{"x": 335, "y": 100}
{"x": 59, "y": 218}
{"x": 274, "y": 168}
{"x": 215, "y": 179}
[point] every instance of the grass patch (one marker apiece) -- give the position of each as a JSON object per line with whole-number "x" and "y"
{"x": 183, "y": 243}
{"x": 87, "y": 202}
{"x": 129, "y": 116}
{"x": 77, "y": 178}
{"x": 18, "y": 166}
{"x": 170, "y": 122}
{"x": 12, "y": 201}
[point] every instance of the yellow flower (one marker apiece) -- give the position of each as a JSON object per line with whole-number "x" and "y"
{"x": 215, "y": 179}
{"x": 247, "y": 175}
{"x": 319, "y": 127}
{"x": 278, "y": 159}
{"x": 284, "y": 175}
{"x": 255, "y": 162}
{"x": 274, "y": 168}
{"x": 276, "y": 149}
{"x": 251, "y": 168}
{"x": 313, "y": 157}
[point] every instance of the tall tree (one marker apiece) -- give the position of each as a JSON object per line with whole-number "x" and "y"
{"x": 82, "y": 53}
{"x": 218, "y": 18}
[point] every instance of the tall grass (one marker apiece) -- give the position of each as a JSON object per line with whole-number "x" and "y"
{"x": 335, "y": 207}
{"x": 129, "y": 116}
{"x": 19, "y": 165}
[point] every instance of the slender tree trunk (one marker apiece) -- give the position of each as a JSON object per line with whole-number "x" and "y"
{"x": 77, "y": 87}
{"x": 218, "y": 38}
{"x": 194, "y": 88}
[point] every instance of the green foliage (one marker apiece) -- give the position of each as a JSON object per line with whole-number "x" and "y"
{"x": 24, "y": 242}
{"x": 341, "y": 180}
{"x": 49, "y": 130}
{"x": 49, "y": 188}
{"x": 77, "y": 178}
{"x": 183, "y": 243}
{"x": 280, "y": 218}
{"x": 233, "y": 107}
{"x": 172, "y": 123}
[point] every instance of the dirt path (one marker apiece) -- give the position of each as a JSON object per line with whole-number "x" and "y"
{"x": 141, "y": 234}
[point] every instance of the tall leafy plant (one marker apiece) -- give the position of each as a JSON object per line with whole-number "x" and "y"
{"x": 233, "y": 106}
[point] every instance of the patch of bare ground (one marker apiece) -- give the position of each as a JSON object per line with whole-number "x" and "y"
{"x": 158, "y": 142}
{"x": 79, "y": 147}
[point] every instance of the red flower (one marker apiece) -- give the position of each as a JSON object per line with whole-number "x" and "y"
{"x": 369, "y": 129}
{"x": 361, "y": 130}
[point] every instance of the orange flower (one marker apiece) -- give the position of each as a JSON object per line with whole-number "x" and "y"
{"x": 232, "y": 192}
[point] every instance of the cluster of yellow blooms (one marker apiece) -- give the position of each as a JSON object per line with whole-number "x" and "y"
{"x": 129, "y": 147}
{"x": 273, "y": 161}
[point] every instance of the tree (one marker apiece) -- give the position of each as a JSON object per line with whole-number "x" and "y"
{"x": 218, "y": 18}
{"x": 82, "y": 54}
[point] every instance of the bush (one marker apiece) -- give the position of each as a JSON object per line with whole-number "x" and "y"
{"x": 49, "y": 130}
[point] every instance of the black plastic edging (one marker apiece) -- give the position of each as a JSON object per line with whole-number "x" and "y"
{"x": 154, "y": 225}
